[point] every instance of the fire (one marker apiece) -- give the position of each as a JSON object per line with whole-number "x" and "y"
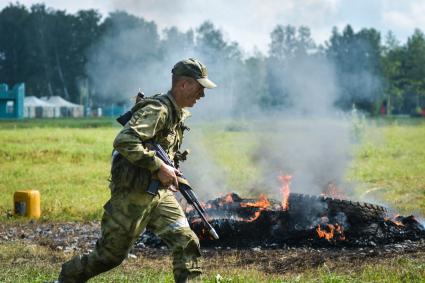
{"x": 228, "y": 198}
{"x": 261, "y": 204}
{"x": 334, "y": 192}
{"x": 395, "y": 221}
{"x": 206, "y": 205}
{"x": 284, "y": 189}
{"x": 331, "y": 232}
{"x": 203, "y": 235}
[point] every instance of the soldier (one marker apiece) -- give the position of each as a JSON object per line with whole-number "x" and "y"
{"x": 131, "y": 209}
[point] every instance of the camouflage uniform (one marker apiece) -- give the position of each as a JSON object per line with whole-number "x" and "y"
{"x": 131, "y": 209}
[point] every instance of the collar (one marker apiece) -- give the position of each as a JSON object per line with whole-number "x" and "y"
{"x": 171, "y": 97}
{"x": 182, "y": 113}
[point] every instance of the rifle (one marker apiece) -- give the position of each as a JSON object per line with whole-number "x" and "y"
{"x": 124, "y": 118}
{"x": 184, "y": 187}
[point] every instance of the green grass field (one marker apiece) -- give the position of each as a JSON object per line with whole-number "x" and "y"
{"x": 68, "y": 162}
{"x": 69, "y": 166}
{"x": 390, "y": 166}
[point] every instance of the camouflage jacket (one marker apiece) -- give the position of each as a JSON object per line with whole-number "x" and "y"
{"x": 157, "y": 119}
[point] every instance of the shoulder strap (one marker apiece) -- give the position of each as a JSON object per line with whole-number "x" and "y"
{"x": 143, "y": 102}
{"x": 172, "y": 113}
{"x": 158, "y": 98}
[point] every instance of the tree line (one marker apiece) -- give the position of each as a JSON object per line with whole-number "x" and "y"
{"x": 57, "y": 53}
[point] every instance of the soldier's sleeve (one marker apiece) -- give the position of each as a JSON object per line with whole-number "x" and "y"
{"x": 144, "y": 125}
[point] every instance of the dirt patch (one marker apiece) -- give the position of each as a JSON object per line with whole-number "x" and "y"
{"x": 70, "y": 238}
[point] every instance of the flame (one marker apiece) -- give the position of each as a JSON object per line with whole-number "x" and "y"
{"x": 203, "y": 234}
{"x": 334, "y": 192}
{"x": 332, "y": 231}
{"x": 228, "y": 198}
{"x": 188, "y": 208}
{"x": 284, "y": 189}
{"x": 395, "y": 221}
{"x": 261, "y": 204}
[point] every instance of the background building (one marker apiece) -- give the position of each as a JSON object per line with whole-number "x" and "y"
{"x": 37, "y": 108}
{"x": 12, "y": 101}
{"x": 65, "y": 108}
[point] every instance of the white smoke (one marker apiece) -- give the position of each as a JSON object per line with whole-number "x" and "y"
{"x": 308, "y": 140}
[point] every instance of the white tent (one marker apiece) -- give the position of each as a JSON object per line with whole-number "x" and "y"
{"x": 37, "y": 108}
{"x": 67, "y": 109}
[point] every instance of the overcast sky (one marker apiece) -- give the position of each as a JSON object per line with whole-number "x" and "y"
{"x": 249, "y": 22}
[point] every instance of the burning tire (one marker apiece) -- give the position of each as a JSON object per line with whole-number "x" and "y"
{"x": 307, "y": 209}
{"x": 306, "y": 219}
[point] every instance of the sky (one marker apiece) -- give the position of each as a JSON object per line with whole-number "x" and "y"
{"x": 250, "y": 22}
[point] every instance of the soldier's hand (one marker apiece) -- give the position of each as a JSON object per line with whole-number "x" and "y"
{"x": 167, "y": 175}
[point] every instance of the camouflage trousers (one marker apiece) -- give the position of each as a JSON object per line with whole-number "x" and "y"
{"x": 126, "y": 216}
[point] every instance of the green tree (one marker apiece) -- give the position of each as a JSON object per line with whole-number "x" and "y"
{"x": 289, "y": 42}
{"x": 224, "y": 60}
{"x": 252, "y": 85}
{"x": 124, "y": 58}
{"x": 40, "y": 79}
{"x": 86, "y": 32}
{"x": 288, "y": 46}
{"x": 177, "y": 45}
{"x": 413, "y": 67}
{"x": 357, "y": 57}
{"x": 14, "y": 53}
{"x": 211, "y": 43}
{"x": 392, "y": 57}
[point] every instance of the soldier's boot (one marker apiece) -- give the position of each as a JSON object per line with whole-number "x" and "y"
{"x": 118, "y": 235}
{"x": 169, "y": 222}
{"x": 81, "y": 268}
{"x": 186, "y": 276}
{"x": 185, "y": 259}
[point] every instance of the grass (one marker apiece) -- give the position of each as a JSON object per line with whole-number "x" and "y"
{"x": 231, "y": 152}
{"x": 23, "y": 263}
{"x": 390, "y": 165}
{"x": 69, "y": 165}
{"x": 59, "y": 123}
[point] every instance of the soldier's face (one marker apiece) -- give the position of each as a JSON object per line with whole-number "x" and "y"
{"x": 193, "y": 92}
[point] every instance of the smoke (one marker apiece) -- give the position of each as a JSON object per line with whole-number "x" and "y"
{"x": 311, "y": 85}
{"x": 309, "y": 139}
{"x": 124, "y": 60}
{"x": 315, "y": 151}
{"x": 131, "y": 56}
{"x": 421, "y": 220}
{"x": 208, "y": 177}
{"x": 248, "y": 22}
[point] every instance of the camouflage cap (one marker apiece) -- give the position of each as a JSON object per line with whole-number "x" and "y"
{"x": 194, "y": 69}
